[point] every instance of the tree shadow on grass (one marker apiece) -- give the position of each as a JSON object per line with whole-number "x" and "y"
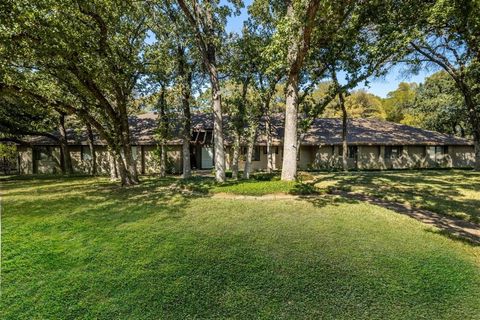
{"x": 40, "y": 181}
{"x": 438, "y": 191}
{"x": 162, "y": 269}
{"x": 424, "y": 197}
{"x": 98, "y": 200}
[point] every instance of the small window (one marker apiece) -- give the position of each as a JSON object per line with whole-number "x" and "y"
{"x": 86, "y": 154}
{"x": 274, "y": 149}
{"x": 256, "y": 154}
{"x": 352, "y": 152}
{"x": 43, "y": 153}
{"x": 134, "y": 153}
{"x": 393, "y": 152}
{"x": 36, "y": 155}
{"x": 441, "y": 150}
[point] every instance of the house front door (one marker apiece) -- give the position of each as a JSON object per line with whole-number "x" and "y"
{"x": 207, "y": 157}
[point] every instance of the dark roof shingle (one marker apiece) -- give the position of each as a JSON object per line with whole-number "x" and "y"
{"x": 324, "y": 131}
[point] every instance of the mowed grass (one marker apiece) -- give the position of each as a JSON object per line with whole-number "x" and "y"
{"x": 449, "y": 192}
{"x": 260, "y": 184}
{"x": 256, "y": 188}
{"x": 83, "y": 248}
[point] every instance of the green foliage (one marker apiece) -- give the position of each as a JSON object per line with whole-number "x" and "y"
{"x": 436, "y": 104}
{"x": 440, "y": 106}
{"x": 399, "y": 101}
{"x": 21, "y": 116}
{"x": 8, "y": 151}
{"x": 359, "y": 104}
{"x": 443, "y": 34}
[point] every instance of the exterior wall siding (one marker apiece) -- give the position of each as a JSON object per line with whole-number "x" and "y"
{"x": 85, "y": 165}
{"x": 25, "y": 159}
{"x": 463, "y": 156}
{"x": 310, "y": 158}
{"x": 305, "y": 157}
{"x": 256, "y": 165}
{"x": 370, "y": 157}
{"x": 324, "y": 158}
{"x": 150, "y": 163}
{"x": 48, "y": 166}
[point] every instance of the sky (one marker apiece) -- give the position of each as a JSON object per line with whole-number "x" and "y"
{"x": 379, "y": 86}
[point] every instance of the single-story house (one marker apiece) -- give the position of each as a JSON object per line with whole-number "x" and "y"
{"x": 372, "y": 144}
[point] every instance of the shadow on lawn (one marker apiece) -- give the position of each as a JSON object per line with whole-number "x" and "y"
{"x": 425, "y": 197}
{"x": 97, "y": 201}
{"x": 239, "y": 268}
{"x": 100, "y": 200}
{"x": 431, "y": 190}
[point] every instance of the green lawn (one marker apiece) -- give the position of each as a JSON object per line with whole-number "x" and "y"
{"x": 260, "y": 184}
{"x": 83, "y": 248}
{"x": 450, "y": 192}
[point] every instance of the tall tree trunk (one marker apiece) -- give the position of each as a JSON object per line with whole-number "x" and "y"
{"x": 65, "y": 158}
{"x": 218, "y": 130}
{"x": 130, "y": 164}
{"x": 163, "y": 132}
{"x": 248, "y": 161}
{"x": 289, "y": 166}
{"x": 297, "y": 50}
{"x": 122, "y": 170}
{"x": 202, "y": 21}
{"x": 112, "y": 166}
{"x": 131, "y": 173}
{"x": 268, "y": 133}
{"x": 90, "y": 141}
{"x": 239, "y": 123}
{"x": 476, "y": 142}
{"x": 186, "y": 83}
{"x": 344, "y": 132}
{"x": 236, "y": 155}
{"x": 474, "y": 119}
{"x": 187, "y": 168}
{"x": 163, "y": 160}
{"x": 211, "y": 63}
{"x": 251, "y": 144}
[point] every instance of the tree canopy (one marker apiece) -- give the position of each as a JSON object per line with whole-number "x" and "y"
{"x": 95, "y": 64}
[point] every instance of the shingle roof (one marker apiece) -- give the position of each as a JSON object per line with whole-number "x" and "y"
{"x": 325, "y": 131}
{"x": 375, "y": 132}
